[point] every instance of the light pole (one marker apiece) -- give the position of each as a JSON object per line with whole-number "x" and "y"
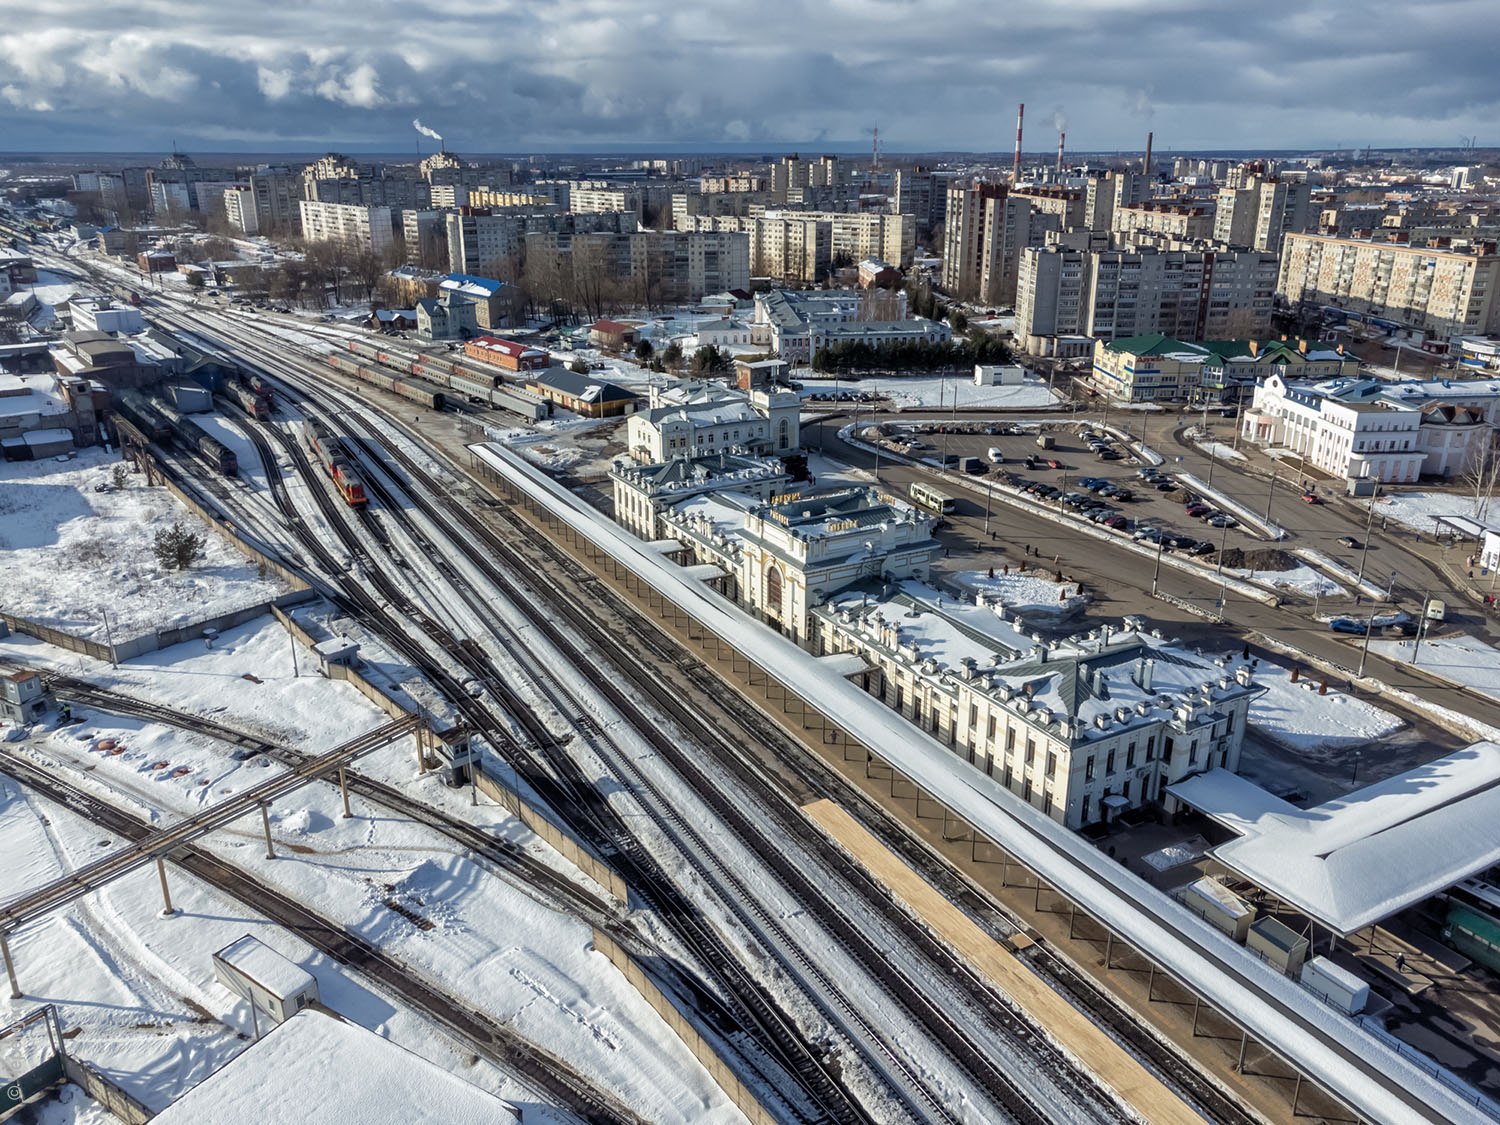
{"x": 1213, "y": 457}
{"x": 1223, "y": 544}
{"x": 1156, "y": 575}
{"x": 1421, "y": 628}
{"x": 1369, "y": 525}
{"x": 1270, "y": 492}
{"x": 1365, "y": 650}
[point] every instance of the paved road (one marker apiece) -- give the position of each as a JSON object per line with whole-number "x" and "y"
{"x": 1120, "y": 580}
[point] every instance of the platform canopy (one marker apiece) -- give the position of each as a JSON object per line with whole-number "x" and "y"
{"x": 1359, "y": 858}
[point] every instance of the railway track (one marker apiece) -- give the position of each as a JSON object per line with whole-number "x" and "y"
{"x": 555, "y": 888}
{"x": 545, "y": 1073}
{"x": 964, "y": 1051}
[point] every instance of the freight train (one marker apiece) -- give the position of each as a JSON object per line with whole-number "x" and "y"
{"x": 259, "y": 387}
{"x": 257, "y": 405}
{"x": 331, "y": 453}
{"x": 138, "y": 410}
{"x": 193, "y": 436}
{"x": 414, "y": 389}
{"x": 479, "y": 387}
{"x": 218, "y": 454}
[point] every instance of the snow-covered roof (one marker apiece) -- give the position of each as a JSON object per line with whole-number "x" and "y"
{"x": 1360, "y": 858}
{"x": 1274, "y": 1009}
{"x": 318, "y": 1068}
{"x": 267, "y": 968}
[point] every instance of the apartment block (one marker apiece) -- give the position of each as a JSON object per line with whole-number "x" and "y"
{"x": 351, "y": 225}
{"x": 1105, "y": 294}
{"x": 1261, "y": 213}
{"x": 1443, "y": 289}
{"x": 986, "y": 229}
{"x": 1188, "y": 222}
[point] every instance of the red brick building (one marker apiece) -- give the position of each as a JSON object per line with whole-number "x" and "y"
{"x": 507, "y": 354}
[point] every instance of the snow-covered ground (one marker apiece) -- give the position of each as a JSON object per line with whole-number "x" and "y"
{"x": 1417, "y": 509}
{"x": 482, "y": 937}
{"x": 69, "y": 552}
{"x": 1461, "y": 658}
{"x": 1296, "y": 716}
{"x": 1302, "y": 579}
{"x": 935, "y": 391}
{"x": 1219, "y": 451}
{"x": 1022, "y": 590}
{"x": 828, "y": 473}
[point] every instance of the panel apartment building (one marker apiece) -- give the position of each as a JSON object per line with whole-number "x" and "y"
{"x": 986, "y": 229}
{"x": 1198, "y": 294}
{"x": 1443, "y": 289}
{"x": 351, "y": 225}
{"x": 1262, "y": 213}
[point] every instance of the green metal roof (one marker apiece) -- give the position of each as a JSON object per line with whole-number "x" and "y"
{"x": 1477, "y": 924}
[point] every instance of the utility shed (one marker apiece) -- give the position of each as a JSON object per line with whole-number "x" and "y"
{"x": 1220, "y": 907}
{"x": 254, "y": 971}
{"x": 1336, "y": 985}
{"x": 321, "y": 1069}
{"x": 1278, "y": 944}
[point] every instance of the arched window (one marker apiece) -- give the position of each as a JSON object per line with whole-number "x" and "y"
{"x": 773, "y": 592}
{"x": 784, "y": 435}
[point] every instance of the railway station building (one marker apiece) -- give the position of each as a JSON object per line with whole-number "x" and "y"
{"x": 1081, "y": 730}
{"x": 786, "y": 555}
{"x": 699, "y": 418}
{"x": 642, "y": 493}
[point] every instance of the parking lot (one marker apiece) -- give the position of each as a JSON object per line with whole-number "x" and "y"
{"x": 1102, "y": 481}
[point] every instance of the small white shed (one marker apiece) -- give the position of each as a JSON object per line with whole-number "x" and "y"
{"x": 273, "y": 985}
{"x": 1335, "y": 985}
{"x": 998, "y": 374}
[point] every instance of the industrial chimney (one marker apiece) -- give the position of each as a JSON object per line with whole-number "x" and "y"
{"x": 1146, "y": 163}
{"x": 1015, "y": 168}
{"x": 1062, "y": 140}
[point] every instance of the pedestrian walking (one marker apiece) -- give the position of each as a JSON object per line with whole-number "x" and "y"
{"x": 1471, "y": 574}
{"x": 1356, "y": 600}
{"x": 1401, "y": 962}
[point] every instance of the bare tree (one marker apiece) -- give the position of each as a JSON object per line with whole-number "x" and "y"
{"x": 1481, "y": 474}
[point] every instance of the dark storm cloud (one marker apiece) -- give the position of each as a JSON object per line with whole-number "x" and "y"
{"x": 503, "y": 75}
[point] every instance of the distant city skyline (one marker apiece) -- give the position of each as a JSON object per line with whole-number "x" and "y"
{"x": 620, "y": 74}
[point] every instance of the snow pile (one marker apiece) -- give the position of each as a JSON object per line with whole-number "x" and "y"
{"x": 1296, "y": 716}
{"x": 69, "y": 551}
{"x": 1219, "y": 451}
{"x": 1022, "y": 590}
{"x": 1301, "y": 579}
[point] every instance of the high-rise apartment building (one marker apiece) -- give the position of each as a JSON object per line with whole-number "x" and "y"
{"x": 986, "y": 228}
{"x": 1441, "y": 288}
{"x": 1260, "y": 213}
{"x": 1201, "y": 294}
{"x": 1163, "y": 219}
{"x": 350, "y": 225}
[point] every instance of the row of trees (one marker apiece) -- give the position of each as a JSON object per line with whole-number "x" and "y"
{"x": 859, "y": 356}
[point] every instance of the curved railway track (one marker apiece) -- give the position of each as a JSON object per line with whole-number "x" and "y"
{"x": 547, "y": 1074}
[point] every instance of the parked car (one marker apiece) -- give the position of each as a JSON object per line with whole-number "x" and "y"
{"x": 1122, "y": 494}
{"x": 1053, "y": 463}
{"x": 1311, "y": 498}
{"x": 996, "y": 455}
{"x": 1202, "y": 547}
{"x": 1147, "y": 534}
{"x": 1092, "y": 483}
{"x": 1222, "y": 519}
{"x": 1165, "y": 485}
{"x": 1118, "y": 522}
{"x": 1181, "y": 542}
{"x": 1348, "y": 625}
{"x": 1150, "y": 472}
{"x": 1348, "y": 541}
{"x": 1108, "y": 455}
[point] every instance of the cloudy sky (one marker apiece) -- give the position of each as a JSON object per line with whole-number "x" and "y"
{"x": 519, "y": 75}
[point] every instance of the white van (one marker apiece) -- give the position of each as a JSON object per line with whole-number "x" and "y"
{"x": 1436, "y": 610}
{"x": 995, "y": 455}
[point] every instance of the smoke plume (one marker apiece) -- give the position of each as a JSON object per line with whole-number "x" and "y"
{"x": 426, "y": 132}
{"x": 1060, "y": 120}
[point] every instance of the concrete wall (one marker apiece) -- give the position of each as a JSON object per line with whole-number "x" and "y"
{"x": 717, "y": 1068}
{"x": 569, "y": 848}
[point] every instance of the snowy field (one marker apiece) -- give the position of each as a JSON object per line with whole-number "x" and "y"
{"x": 1417, "y": 509}
{"x": 828, "y": 473}
{"x": 142, "y": 988}
{"x": 68, "y": 552}
{"x": 1030, "y": 590}
{"x": 907, "y": 392}
{"x": 1301, "y": 579}
{"x": 1295, "y": 716}
{"x": 1461, "y": 658}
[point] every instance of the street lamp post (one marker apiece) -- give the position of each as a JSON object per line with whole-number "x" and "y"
{"x": 1369, "y": 525}
{"x": 1421, "y": 628}
{"x": 1223, "y": 544}
{"x": 1365, "y": 649}
{"x": 1270, "y": 492}
{"x": 1156, "y": 575}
